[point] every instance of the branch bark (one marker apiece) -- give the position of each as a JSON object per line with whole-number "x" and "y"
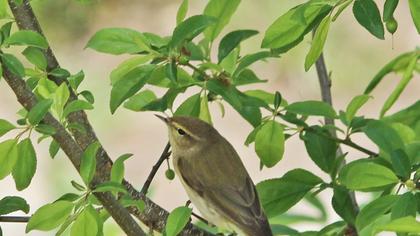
{"x": 153, "y": 216}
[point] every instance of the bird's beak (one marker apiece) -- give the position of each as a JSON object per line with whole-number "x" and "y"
{"x": 164, "y": 119}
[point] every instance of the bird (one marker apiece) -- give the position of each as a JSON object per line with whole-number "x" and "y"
{"x": 214, "y": 177}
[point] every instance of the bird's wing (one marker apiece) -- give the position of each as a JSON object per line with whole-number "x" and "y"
{"x": 228, "y": 188}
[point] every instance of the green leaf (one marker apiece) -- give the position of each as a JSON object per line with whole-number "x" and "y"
{"x": 8, "y": 156}
{"x": 13, "y": 64}
{"x": 288, "y": 30}
{"x": 127, "y": 201}
{"x": 85, "y": 225}
{"x": 389, "y": 8}
{"x": 262, "y": 95}
{"x": 76, "y": 105}
{"x": 117, "y": 170}
{"x": 28, "y": 38}
{"x": 408, "y": 74}
{"x": 53, "y": 148}
{"x": 231, "y": 40}
{"x": 222, "y": 10}
{"x": 407, "y": 116}
{"x": 367, "y": 14}
{"x": 343, "y": 204}
{"x": 49, "y": 216}
{"x": 415, "y": 13}
{"x": 177, "y": 220}
{"x": 204, "y": 109}
{"x": 110, "y": 187}
{"x": 312, "y": 108}
{"x": 128, "y": 85}
{"x": 249, "y": 60}
{"x": 128, "y": 65}
{"x": 355, "y": 104}
{"x": 171, "y": 71}
{"x": 140, "y": 100}
{"x": 366, "y": 175}
{"x": 60, "y": 72}
{"x": 401, "y": 164}
{"x": 77, "y": 186}
{"x": 397, "y": 63}
{"x": 374, "y": 209}
{"x": 190, "y": 107}
{"x": 407, "y": 224}
{"x": 118, "y": 41}
{"x": 229, "y": 62}
{"x": 11, "y": 204}
{"x": 76, "y": 79}
{"x": 190, "y": 28}
{"x": 247, "y": 76}
{"x": 37, "y": 113}
{"x": 269, "y": 143}
{"x": 318, "y": 42}
{"x": 406, "y": 205}
{"x": 88, "y": 96}
{"x": 3, "y": 15}
{"x": 384, "y": 136}
{"x": 25, "y": 166}
{"x": 5, "y": 126}
{"x": 36, "y": 57}
{"x": 321, "y": 149}
{"x": 276, "y": 200}
{"x": 182, "y": 12}
{"x": 88, "y": 162}
{"x": 61, "y": 96}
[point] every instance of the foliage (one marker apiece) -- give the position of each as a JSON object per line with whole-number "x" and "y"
{"x": 183, "y": 61}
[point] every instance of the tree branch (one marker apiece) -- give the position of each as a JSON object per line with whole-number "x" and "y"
{"x": 165, "y": 155}
{"x": 14, "y": 219}
{"x": 153, "y": 216}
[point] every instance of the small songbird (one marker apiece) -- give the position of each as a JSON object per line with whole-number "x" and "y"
{"x": 215, "y": 178}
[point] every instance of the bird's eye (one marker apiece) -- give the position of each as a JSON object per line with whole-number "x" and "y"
{"x": 181, "y": 132}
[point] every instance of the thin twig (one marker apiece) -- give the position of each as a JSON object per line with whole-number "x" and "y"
{"x": 14, "y": 219}
{"x": 165, "y": 155}
{"x": 350, "y": 143}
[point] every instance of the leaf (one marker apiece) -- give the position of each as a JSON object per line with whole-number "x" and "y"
{"x": 110, "y": 187}
{"x": 367, "y": 14}
{"x": 128, "y": 85}
{"x": 36, "y": 57}
{"x": 318, "y": 42}
{"x": 366, "y": 175}
{"x": 76, "y": 79}
{"x": 140, "y": 100}
{"x": 171, "y": 71}
{"x": 355, "y": 104}
{"x": 177, "y": 220}
{"x": 231, "y": 40}
{"x": 276, "y": 200}
{"x": 3, "y": 15}
{"x": 389, "y": 8}
{"x": 60, "y": 72}
{"x": 312, "y": 108}
{"x": 374, "y": 209}
{"x": 5, "y": 126}
{"x": 247, "y": 76}
{"x": 13, "y": 64}
{"x": 320, "y": 148}
{"x": 406, "y": 205}
{"x": 343, "y": 204}
{"x": 269, "y": 143}
{"x": 182, "y": 12}
{"x": 288, "y": 30}
{"x": 85, "y": 225}
{"x": 204, "y": 109}
{"x": 408, "y": 74}
{"x": 222, "y": 10}
{"x": 190, "y": 28}
{"x": 53, "y": 148}
{"x": 128, "y": 65}
{"x": 262, "y": 95}
{"x": 190, "y": 107}
{"x": 11, "y": 204}
{"x": 401, "y": 164}
{"x": 37, "y": 113}
{"x": 408, "y": 116}
{"x": 415, "y": 13}
{"x": 384, "y": 136}
{"x": 61, "y": 96}
{"x": 88, "y": 162}
{"x": 249, "y": 60}
{"x": 76, "y": 105}
{"x": 25, "y": 167}
{"x": 117, "y": 170}
{"x": 49, "y": 216}
{"x": 407, "y": 224}
{"x": 118, "y": 41}
{"x": 396, "y": 63}
{"x": 8, "y": 156}
{"x": 27, "y": 38}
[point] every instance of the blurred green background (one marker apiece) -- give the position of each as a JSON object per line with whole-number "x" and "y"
{"x": 352, "y": 55}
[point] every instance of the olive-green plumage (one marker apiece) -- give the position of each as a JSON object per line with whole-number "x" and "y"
{"x": 215, "y": 178}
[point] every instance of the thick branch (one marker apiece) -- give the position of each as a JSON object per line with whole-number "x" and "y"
{"x": 153, "y": 216}
{"x": 14, "y": 219}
